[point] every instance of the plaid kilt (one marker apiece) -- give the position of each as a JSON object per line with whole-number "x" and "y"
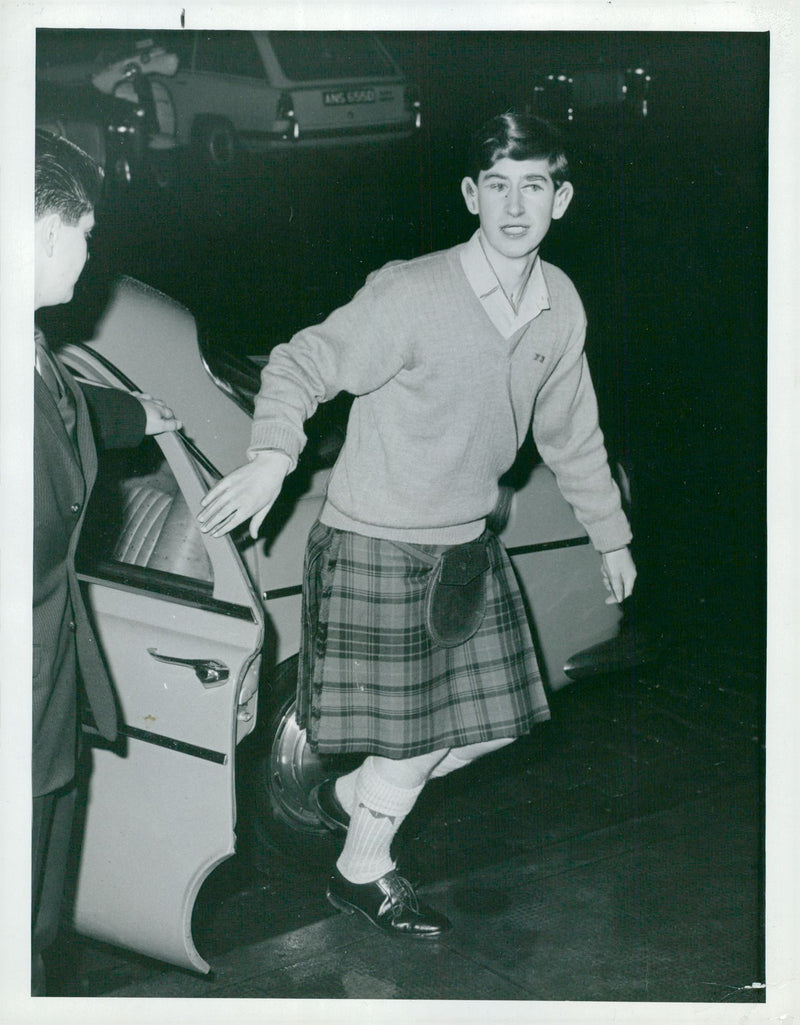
{"x": 370, "y": 680}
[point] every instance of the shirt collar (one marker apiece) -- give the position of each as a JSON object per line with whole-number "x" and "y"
{"x": 483, "y": 282}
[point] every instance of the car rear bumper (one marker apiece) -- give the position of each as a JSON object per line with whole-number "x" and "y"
{"x": 263, "y": 142}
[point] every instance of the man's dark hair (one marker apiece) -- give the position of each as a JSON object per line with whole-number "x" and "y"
{"x": 520, "y": 137}
{"x": 68, "y": 181}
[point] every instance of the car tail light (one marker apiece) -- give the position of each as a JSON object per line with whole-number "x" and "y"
{"x": 413, "y": 103}
{"x": 285, "y": 112}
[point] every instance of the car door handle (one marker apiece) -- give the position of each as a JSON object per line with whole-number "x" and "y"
{"x": 209, "y": 671}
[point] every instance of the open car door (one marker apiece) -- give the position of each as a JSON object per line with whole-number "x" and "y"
{"x": 181, "y": 629}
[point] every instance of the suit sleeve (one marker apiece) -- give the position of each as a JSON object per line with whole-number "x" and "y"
{"x": 118, "y": 419}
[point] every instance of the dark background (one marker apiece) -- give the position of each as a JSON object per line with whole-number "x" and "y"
{"x": 666, "y": 241}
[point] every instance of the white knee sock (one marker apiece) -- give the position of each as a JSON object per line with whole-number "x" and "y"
{"x": 406, "y": 773}
{"x": 459, "y": 757}
{"x": 345, "y": 788}
{"x": 379, "y": 808}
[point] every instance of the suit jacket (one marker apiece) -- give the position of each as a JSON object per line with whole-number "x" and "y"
{"x": 64, "y": 643}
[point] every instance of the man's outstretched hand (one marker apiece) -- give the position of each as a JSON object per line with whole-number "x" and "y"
{"x": 619, "y": 574}
{"x": 246, "y": 493}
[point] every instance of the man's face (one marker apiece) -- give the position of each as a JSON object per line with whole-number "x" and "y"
{"x": 62, "y": 251}
{"x": 516, "y": 200}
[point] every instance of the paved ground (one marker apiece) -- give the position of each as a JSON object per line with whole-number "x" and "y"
{"x": 613, "y": 855}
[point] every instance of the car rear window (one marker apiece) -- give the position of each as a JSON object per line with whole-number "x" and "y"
{"x": 228, "y": 53}
{"x": 306, "y": 56}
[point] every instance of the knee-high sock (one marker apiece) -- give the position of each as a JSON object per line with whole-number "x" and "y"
{"x": 345, "y": 787}
{"x": 406, "y": 772}
{"x": 459, "y": 757}
{"x": 385, "y": 792}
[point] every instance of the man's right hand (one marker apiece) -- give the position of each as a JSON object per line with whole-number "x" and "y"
{"x": 246, "y": 493}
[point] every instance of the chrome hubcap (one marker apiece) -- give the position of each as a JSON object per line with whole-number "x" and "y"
{"x": 294, "y": 770}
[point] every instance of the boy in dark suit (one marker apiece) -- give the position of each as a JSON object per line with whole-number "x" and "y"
{"x": 70, "y": 423}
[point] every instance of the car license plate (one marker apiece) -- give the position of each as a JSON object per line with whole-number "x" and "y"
{"x": 344, "y": 97}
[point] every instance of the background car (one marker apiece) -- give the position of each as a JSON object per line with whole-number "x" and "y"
{"x": 282, "y": 92}
{"x": 240, "y": 91}
{"x": 591, "y": 94}
{"x": 201, "y": 634}
{"x": 103, "y": 126}
{"x": 107, "y": 103}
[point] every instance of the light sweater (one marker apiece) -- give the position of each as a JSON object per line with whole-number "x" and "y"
{"x": 442, "y": 404}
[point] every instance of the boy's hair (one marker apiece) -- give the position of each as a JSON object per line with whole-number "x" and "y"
{"x": 68, "y": 181}
{"x": 520, "y": 137}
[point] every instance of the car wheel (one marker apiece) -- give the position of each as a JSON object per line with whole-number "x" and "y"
{"x": 276, "y": 772}
{"x": 215, "y": 143}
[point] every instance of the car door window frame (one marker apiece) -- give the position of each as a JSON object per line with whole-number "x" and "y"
{"x": 230, "y": 591}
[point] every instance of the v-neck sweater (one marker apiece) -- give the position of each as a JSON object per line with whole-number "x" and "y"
{"x": 442, "y": 404}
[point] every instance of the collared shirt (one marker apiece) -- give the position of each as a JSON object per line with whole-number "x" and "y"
{"x": 486, "y": 286}
{"x": 50, "y": 372}
{"x": 46, "y": 367}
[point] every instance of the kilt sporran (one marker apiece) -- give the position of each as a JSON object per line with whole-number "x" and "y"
{"x": 455, "y": 599}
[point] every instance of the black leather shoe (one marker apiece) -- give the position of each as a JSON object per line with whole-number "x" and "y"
{"x": 328, "y": 807}
{"x": 389, "y": 903}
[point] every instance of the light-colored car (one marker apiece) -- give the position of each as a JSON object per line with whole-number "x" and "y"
{"x": 239, "y": 91}
{"x": 201, "y": 634}
{"x": 284, "y": 92}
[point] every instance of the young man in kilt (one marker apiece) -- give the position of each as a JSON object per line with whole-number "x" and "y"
{"x": 451, "y": 357}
